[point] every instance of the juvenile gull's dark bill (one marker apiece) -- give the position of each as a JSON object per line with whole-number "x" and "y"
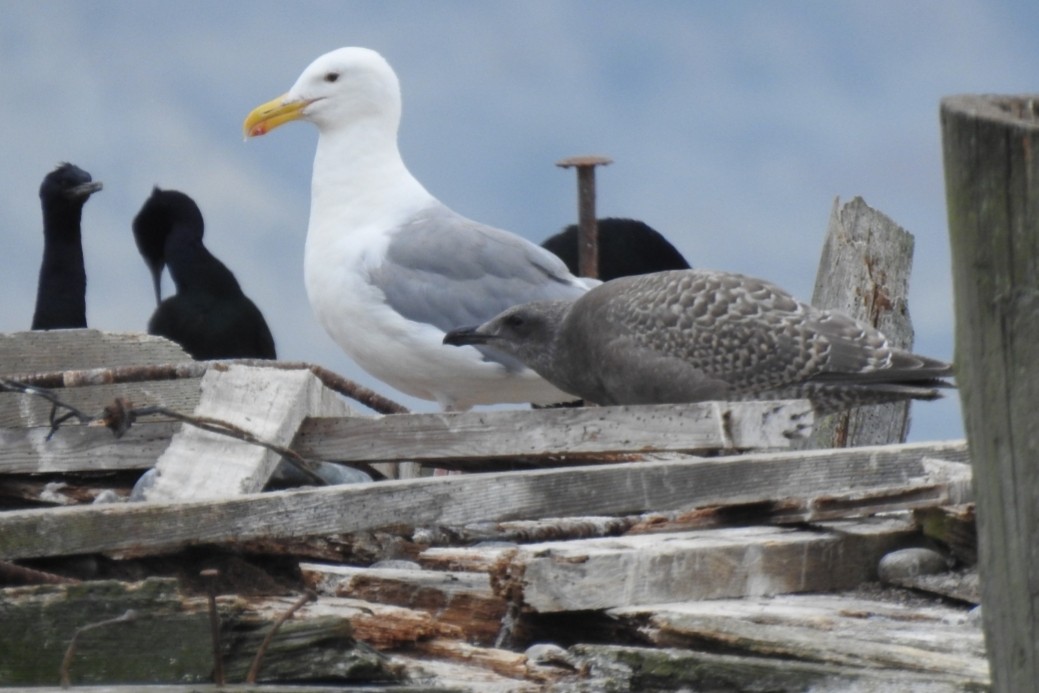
{"x": 697, "y": 335}
{"x": 388, "y": 268}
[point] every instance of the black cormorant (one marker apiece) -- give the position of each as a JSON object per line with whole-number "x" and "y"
{"x": 61, "y": 292}
{"x": 209, "y": 316}
{"x": 626, "y": 247}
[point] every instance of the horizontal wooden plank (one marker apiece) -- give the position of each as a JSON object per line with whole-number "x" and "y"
{"x": 458, "y": 500}
{"x": 627, "y": 668}
{"x": 832, "y": 629}
{"x": 462, "y": 600}
{"x": 570, "y": 431}
{"x": 21, "y": 411}
{"x": 76, "y": 448}
{"x": 61, "y": 350}
{"x": 562, "y": 433}
{"x": 611, "y": 572}
{"x": 167, "y": 639}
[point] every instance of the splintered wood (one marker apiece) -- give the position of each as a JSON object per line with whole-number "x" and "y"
{"x": 611, "y": 548}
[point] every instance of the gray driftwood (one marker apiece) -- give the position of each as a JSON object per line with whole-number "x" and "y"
{"x": 58, "y": 350}
{"x": 624, "y": 669}
{"x": 603, "y": 490}
{"x": 167, "y": 637}
{"x": 564, "y": 432}
{"x": 268, "y": 403}
{"x": 990, "y": 146}
{"x": 832, "y": 630}
{"x": 864, "y": 272}
{"x": 478, "y": 440}
{"x": 74, "y": 448}
{"x": 463, "y": 600}
{"x": 612, "y": 572}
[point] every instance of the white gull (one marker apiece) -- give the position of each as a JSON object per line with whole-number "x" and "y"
{"x": 388, "y": 268}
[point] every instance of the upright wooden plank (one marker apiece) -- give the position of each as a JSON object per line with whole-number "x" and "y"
{"x": 268, "y": 403}
{"x": 864, "y": 272}
{"x": 620, "y": 489}
{"x": 991, "y": 151}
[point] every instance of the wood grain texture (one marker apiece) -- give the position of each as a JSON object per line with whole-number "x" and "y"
{"x": 864, "y": 272}
{"x": 576, "y": 431}
{"x": 990, "y": 146}
{"x": 268, "y": 403}
{"x": 828, "y": 629}
{"x": 58, "y": 350}
{"x": 55, "y": 350}
{"x": 622, "y": 571}
{"x": 602, "y": 490}
{"x": 83, "y": 448}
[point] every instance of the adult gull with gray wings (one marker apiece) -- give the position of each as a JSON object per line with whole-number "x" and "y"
{"x": 388, "y": 268}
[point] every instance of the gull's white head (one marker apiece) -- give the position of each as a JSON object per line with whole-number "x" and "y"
{"x": 338, "y": 90}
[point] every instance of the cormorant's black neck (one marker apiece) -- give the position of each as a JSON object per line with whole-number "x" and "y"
{"x": 61, "y": 292}
{"x": 193, "y": 268}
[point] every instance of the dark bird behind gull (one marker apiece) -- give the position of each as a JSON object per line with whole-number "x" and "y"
{"x": 626, "y": 247}
{"x": 696, "y": 335}
{"x": 209, "y": 315}
{"x": 61, "y": 295}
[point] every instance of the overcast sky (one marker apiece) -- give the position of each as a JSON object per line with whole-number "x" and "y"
{"x": 733, "y": 127}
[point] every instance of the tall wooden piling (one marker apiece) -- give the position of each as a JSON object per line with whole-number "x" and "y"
{"x": 991, "y": 144}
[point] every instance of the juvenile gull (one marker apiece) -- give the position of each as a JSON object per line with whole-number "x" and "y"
{"x": 388, "y": 268}
{"x": 696, "y": 335}
{"x": 61, "y": 294}
{"x": 626, "y": 247}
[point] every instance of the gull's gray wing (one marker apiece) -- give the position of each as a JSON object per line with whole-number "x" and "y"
{"x": 448, "y": 271}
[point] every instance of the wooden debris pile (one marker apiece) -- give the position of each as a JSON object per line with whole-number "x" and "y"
{"x": 639, "y": 548}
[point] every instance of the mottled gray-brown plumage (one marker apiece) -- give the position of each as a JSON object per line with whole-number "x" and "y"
{"x": 696, "y": 335}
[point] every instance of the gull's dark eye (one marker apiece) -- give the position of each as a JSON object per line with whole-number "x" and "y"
{"x": 331, "y": 76}
{"x": 514, "y": 321}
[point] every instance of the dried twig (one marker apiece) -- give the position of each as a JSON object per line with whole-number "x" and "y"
{"x": 254, "y": 668}
{"x": 196, "y": 369}
{"x": 70, "y": 652}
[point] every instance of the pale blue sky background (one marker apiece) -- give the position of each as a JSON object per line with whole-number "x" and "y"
{"x": 733, "y": 126}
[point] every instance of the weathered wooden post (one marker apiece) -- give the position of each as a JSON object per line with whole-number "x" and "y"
{"x": 991, "y": 145}
{"x": 864, "y": 272}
